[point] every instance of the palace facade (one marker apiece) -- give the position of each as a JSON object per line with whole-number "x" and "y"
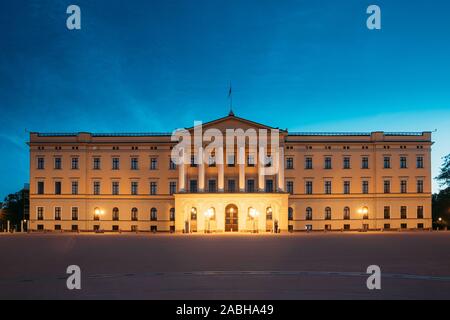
{"x": 327, "y": 181}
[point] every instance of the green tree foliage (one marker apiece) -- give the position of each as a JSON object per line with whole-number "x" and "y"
{"x": 13, "y": 206}
{"x": 444, "y": 175}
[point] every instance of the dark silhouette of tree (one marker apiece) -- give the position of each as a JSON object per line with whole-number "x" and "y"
{"x": 444, "y": 176}
{"x": 441, "y": 200}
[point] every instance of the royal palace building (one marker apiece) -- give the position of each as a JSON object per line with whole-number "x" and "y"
{"x": 325, "y": 181}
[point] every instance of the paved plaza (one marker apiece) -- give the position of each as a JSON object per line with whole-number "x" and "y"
{"x": 414, "y": 265}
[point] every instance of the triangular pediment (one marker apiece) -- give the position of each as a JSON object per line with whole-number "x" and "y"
{"x": 233, "y": 122}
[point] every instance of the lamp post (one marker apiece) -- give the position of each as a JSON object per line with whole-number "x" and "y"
{"x": 208, "y": 215}
{"x": 254, "y": 214}
{"x": 363, "y": 211}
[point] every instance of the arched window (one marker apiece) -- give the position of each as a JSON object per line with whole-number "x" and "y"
{"x": 134, "y": 214}
{"x": 290, "y": 214}
{"x": 309, "y": 213}
{"x": 172, "y": 214}
{"x": 327, "y": 213}
{"x": 194, "y": 214}
{"x": 346, "y": 213}
{"x": 365, "y": 212}
{"x": 269, "y": 213}
{"x": 153, "y": 214}
{"x": 115, "y": 214}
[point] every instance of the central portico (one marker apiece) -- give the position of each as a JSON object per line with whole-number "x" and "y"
{"x": 231, "y": 212}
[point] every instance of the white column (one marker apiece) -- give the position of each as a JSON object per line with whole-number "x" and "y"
{"x": 201, "y": 177}
{"x": 242, "y": 177}
{"x": 261, "y": 176}
{"x": 241, "y": 164}
{"x": 181, "y": 177}
{"x": 280, "y": 173}
{"x": 220, "y": 169}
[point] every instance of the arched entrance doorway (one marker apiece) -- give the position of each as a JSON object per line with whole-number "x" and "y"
{"x": 231, "y": 218}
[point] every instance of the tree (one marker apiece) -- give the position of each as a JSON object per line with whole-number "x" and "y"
{"x": 444, "y": 176}
{"x": 13, "y": 208}
{"x": 441, "y": 200}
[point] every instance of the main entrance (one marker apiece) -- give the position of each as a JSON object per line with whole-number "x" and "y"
{"x": 231, "y": 218}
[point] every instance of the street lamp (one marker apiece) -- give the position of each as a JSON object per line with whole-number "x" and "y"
{"x": 208, "y": 215}
{"x": 254, "y": 215}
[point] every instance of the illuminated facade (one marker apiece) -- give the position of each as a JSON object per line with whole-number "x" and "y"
{"x": 327, "y": 181}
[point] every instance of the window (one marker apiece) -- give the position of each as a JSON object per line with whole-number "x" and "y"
{"x": 387, "y": 186}
{"x": 115, "y": 163}
{"x": 230, "y": 160}
{"x": 134, "y": 188}
{"x": 172, "y": 214}
{"x": 387, "y": 162}
{"x": 211, "y": 161}
{"x": 309, "y": 187}
{"x": 172, "y": 165}
{"x": 153, "y": 214}
{"x": 74, "y": 187}
{"x": 115, "y": 228}
{"x": 172, "y": 187}
{"x": 327, "y": 213}
{"x": 74, "y": 228}
{"x": 153, "y": 188}
{"x": 403, "y": 163}
{"x": 57, "y": 227}
{"x": 40, "y": 213}
{"x": 268, "y": 161}
{"x": 420, "y": 212}
{"x": 194, "y": 214}
{"x": 346, "y": 213}
{"x": 346, "y": 162}
{"x": 231, "y": 185}
{"x": 58, "y": 163}
{"x": 420, "y": 226}
{"x": 269, "y": 185}
{"x": 96, "y": 163}
{"x": 153, "y": 229}
{"x": 403, "y": 212}
{"x": 346, "y": 187}
{"x": 193, "y": 161}
{"x": 404, "y": 226}
{"x": 290, "y": 187}
{"x": 290, "y": 214}
{"x": 154, "y": 164}
{"x": 40, "y": 163}
{"x": 212, "y": 186}
{"x": 250, "y": 185}
{"x": 419, "y": 186}
{"x": 309, "y": 214}
{"x": 193, "y": 186}
{"x": 419, "y": 162}
{"x": 134, "y": 214}
{"x": 365, "y": 187}
{"x": 57, "y": 213}
{"x": 40, "y": 227}
{"x": 387, "y": 212}
{"x": 289, "y": 163}
{"x": 346, "y": 227}
{"x": 269, "y": 212}
{"x": 96, "y": 188}
{"x": 365, "y": 163}
{"x": 97, "y": 213}
{"x": 387, "y": 226}
{"x": 403, "y": 186}
{"x": 365, "y": 212}
{"x": 74, "y": 213}
{"x": 75, "y": 164}
{"x": 308, "y": 163}
{"x": 57, "y": 187}
{"x": 251, "y": 160}
{"x": 134, "y": 164}
{"x": 327, "y": 163}
{"x": 327, "y": 187}
{"x": 40, "y": 187}
{"x": 115, "y": 214}
{"x": 115, "y": 188}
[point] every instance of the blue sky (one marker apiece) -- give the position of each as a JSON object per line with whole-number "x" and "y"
{"x": 159, "y": 65}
